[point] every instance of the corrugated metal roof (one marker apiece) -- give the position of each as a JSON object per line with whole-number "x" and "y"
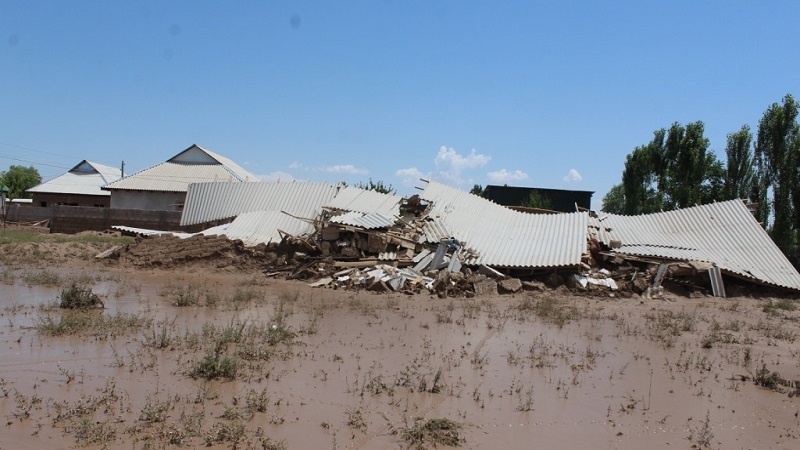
{"x": 256, "y": 227}
{"x": 364, "y": 201}
{"x": 724, "y": 233}
{"x": 149, "y": 232}
{"x": 207, "y": 202}
{"x": 178, "y": 172}
{"x": 507, "y": 238}
{"x": 366, "y": 221}
{"x": 86, "y": 178}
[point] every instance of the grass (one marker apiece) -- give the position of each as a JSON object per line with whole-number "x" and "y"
{"x": 89, "y": 323}
{"x": 41, "y": 278}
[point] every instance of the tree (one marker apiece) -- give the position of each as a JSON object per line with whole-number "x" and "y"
{"x": 740, "y": 172}
{"x": 674, "y": 170}
{"x": 19, "y": 179}
{"x": 777, "y": 149}
{"x": 377, "y": 186}
{"x": 614, "y": 200}
{"x": 477, "y": 190}
{"x": 537, "y": 200}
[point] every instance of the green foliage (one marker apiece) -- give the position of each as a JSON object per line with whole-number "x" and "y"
{"x": 19, "y": 179}
{"x": 377, "y": 186}
{"x": 675, "y": 170}
{"x": 537, "y": 200}
{"x": 477, "y": 189}
{"x": 778, "y": 159}
{"x": 614, "y": 200}
{"x": 740, "y": 171}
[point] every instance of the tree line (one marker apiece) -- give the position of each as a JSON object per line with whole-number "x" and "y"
{"x": 677, "y": 169}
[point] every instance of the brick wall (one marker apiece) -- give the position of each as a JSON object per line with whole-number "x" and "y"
{"x": 74, "y": 219}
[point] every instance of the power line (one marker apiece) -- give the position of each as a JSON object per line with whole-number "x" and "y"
{"x": 33, "y": 162}
{"x": 34, "y": 150}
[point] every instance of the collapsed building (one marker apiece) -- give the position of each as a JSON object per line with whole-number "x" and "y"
{"x": 451, "y": 242}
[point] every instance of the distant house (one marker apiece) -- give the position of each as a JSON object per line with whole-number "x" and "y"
{"x": 80, "y": 186}
{"x": 163, "y": 187}
{"x": 560, "y": 200}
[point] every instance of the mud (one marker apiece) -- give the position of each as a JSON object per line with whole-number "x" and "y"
{"x": 352, "y": 369}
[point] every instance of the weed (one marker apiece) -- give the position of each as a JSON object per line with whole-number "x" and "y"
{"x": 702, "y": 435}
{"x": 355, "y": 419}
{"x": 765, "y": 378}
{"x": 432, "y": 432}
{"x": 88, "y": 323}
{"x": 526, "y": 401}
{"x": 784, "y": 304}
{"x": 550, "y": 309}
{"x": 256, "y": 401}
{"x": 225, "y": 432}
{"x": 79, "y": 297}
{"x": 159, "y": 337}
{"x": 41, "y": 278}
{"x": 185, "y": 296}
{"x": 215, "y": 365}
{"x": 154, "y": 411}
{"x": 90, "y": 432}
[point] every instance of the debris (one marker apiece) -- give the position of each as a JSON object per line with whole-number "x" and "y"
{"x": 510, "y": 285}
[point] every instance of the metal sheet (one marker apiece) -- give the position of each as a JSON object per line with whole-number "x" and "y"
{"x": 724, "y": 233}
{"x": 207, "y": 202}
{"x": 366, "y": 221}
{"x": 258, "y": 227}
{"x": 360, "y": 200}
{"x": 506, "y": 238}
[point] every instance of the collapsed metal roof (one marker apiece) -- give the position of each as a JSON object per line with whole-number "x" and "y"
{"x": 506, "y": 238}
{"x": 257, "y": 227}
{"x": 723, "y": 233}
{"x": 361, "y": 200}
{"x": 208, "y": 202}
{"x": 366, "y": 221}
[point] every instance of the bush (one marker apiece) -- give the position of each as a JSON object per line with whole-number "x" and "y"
{"x": 79, "y": 297}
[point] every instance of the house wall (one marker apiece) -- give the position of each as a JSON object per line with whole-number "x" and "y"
{"x": 151, "y": 200}
{"x": 51, "y": 199}
{"x": 74, "y": 219}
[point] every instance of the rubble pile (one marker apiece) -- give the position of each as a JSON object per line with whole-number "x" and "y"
{"x": 411, "y": 250}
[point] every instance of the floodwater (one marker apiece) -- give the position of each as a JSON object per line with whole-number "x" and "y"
{"x": 354, "y": 369}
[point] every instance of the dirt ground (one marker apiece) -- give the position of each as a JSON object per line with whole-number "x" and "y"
{"x": 226, "y": 357}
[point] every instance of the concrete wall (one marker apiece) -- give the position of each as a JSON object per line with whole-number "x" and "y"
{"x": 164, "y": 201}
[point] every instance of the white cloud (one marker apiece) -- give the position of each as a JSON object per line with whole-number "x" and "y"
{"x": 410, "y": 176}
{"x": 277, "y": 176}
{"x": 342, "y": 168}
{"x": 573, "y": 175}
{"x": 296, "y": 165}
{"x": 503, "y": 176}
{"x": 450, "y": 163}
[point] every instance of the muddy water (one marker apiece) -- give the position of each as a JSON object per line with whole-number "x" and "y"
{"x": 362, "y": 366}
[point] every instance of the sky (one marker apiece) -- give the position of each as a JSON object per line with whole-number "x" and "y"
{"x": 550, "y": 94}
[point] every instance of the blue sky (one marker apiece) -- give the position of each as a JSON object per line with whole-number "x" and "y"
{"x": 546, "y": 94}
